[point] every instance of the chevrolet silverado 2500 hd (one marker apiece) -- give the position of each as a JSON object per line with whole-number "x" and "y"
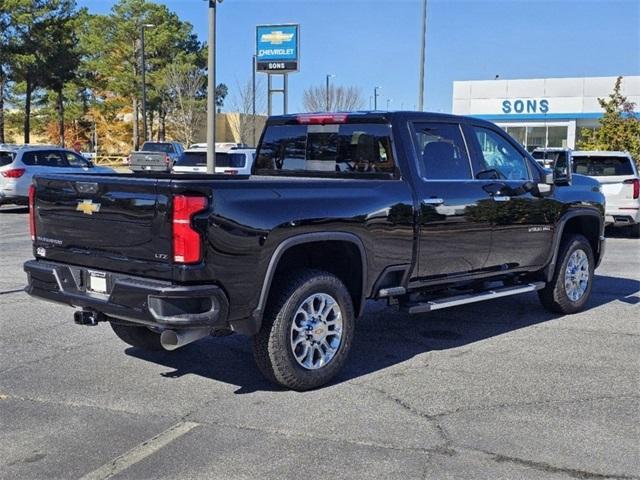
{"x": 427, "y": 211}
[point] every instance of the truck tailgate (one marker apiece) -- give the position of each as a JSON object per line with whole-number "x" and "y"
{"x": 110, "y": 220}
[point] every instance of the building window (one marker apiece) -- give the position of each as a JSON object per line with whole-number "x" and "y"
{"x": 539, "y": 136}
{"x": 557, "y": 137}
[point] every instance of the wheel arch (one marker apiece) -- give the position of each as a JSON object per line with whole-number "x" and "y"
{"x": 585, "y": 222}
{"x": 289, "y": 246}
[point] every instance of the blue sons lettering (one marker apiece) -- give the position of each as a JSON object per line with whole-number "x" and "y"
{"x": 525, "y": 106}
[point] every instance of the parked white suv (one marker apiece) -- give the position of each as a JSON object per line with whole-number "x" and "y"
{"x": 618, "y": 174}
{"x": 18, "y": 165}
{"x": 233, "y": 162}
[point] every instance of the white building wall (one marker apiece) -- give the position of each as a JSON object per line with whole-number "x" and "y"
{"x": 565, "y": 95}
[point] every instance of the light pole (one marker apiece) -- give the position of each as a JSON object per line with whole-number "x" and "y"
{"x": 389, "y": 100}
{"x": 423, "y": 48}
{"x": 329, "y": 76}
{"x": 144, "y": 80}
{"x": 253, "y": 98}
{"x": 211, "y": 91}
{"x": 375, "y": 97}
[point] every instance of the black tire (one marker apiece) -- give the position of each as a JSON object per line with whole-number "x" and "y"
{"x": 140, "y": 337}
{"x": 272, "y": 346}
{"x": 554, "y": 296}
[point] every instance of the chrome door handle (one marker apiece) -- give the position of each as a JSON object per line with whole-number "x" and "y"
{"x": 501, "y": 198}
{"x": 433, "y": 201}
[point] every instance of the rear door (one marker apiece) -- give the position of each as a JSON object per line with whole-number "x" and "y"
{"x": 455, "y": 238}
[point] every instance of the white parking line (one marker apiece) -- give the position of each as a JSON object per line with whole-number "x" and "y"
{"x": 140, "y": 452}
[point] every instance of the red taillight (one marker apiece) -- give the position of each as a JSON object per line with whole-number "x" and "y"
{"x": 187, "y": 244}
{"x": 13, "y": 173}
{"x": 32, "y": 212}
{"x": 231, "y": 172}
{"x": 321, "y": 119}
{"x": 636, "y": 186}
{"x": 167, "y": 159}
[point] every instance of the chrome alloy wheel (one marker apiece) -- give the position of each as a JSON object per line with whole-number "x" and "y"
{"x": 576, "y": 276}
{"x": 316, "y": 331}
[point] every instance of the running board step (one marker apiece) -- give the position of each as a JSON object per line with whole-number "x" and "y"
{"x": 472, "y": 298}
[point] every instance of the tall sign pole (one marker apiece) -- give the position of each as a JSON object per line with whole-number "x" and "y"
{"x": 423, "y": 47}
{"x": 211, "y": 91}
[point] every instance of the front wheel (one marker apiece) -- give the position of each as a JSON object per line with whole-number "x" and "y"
{"x": 570, "y": 288}
{"x": 307, "y": 331}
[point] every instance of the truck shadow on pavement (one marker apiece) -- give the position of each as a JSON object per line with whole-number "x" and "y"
{"x": 385, "y": 337}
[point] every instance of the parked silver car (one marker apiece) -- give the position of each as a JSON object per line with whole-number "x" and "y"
{"x": 18, "y": 165}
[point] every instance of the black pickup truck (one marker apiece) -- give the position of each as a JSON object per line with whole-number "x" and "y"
{"x": 427, "y": 211}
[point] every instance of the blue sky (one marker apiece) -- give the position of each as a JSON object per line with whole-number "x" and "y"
{"x": 376, "y": 42}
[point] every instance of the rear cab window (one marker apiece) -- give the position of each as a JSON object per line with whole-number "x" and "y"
{"x": 602, "y": 166}
{"x": 326, "y": 147}
{"x": 158, "y": 147}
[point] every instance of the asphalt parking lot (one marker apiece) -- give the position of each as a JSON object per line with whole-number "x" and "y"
{"x": 496, "y": 390}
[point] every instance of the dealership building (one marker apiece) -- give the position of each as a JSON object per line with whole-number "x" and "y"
{"x": 544, "y": 112}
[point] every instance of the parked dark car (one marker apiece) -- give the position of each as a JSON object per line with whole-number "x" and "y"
{"x": 427, "y": 211}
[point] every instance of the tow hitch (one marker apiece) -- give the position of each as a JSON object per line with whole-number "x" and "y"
{"x": 88, "y": 317}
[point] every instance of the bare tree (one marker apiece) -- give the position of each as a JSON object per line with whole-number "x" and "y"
{"x": 243, "y": 124}
{"x": 184, "y": 102}
{"x": 341, "y": 99}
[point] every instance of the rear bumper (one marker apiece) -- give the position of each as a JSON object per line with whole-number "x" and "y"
{"x": 133, "y": 299}
{"x": 622, "y": 216}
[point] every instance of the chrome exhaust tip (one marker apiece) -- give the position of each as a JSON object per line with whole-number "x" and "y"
{"x": 172, "y": 339}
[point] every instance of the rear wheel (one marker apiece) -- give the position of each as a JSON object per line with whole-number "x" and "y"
{"x": 307, "y": 331}
{"x": 570, "y": 288}
{"x": 140, "y": 337}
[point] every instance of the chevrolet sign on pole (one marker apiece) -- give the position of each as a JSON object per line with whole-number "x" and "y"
{"x": 277, "y": 48}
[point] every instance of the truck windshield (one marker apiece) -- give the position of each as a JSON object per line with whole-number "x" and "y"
{"x": 223, "y": 160}
{"x": 601, "y": 166}
{"x": 158, "y": 147}
{"x": 351, "y": 148}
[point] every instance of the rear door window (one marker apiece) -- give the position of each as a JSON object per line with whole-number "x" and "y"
{"x": 358, "y": 148}
{"x": 601, "y": 166}
{"x": 441, "y": 151}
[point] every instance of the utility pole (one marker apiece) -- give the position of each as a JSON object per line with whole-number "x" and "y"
{"x": 211, "y": 91}
{"x": 328, "y": 104}
{"x": 375, "y": 97}
{"x": 144, "y": 81}
{"x": 423, "y": 48}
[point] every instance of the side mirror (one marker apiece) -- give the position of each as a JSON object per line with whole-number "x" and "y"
{"x": 562, "y": 168}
